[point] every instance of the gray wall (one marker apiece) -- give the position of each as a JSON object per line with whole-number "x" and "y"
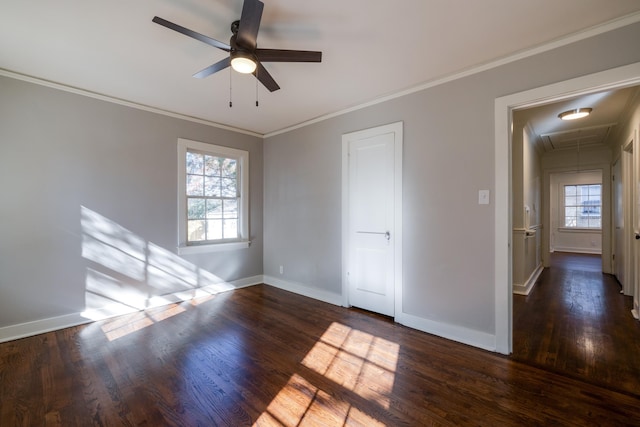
{"x": 448, "y": 156}
{"x": 62, "y": 154}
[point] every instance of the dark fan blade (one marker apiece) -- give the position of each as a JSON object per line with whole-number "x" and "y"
{"x": 265, "y": 78}
{"x": 278, "y": 55}
{"x": 249, "y": 24}
{"x": 220, "y": 65}
{"x": 192, "y": 34}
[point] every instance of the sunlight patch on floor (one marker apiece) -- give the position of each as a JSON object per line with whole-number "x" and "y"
{"x": 300, "y": 403}
{"x": 359, "y": 362}
{"x": 124, "y": 325}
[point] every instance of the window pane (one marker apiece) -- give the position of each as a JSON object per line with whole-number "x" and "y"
{"x": 214, "y": 229}
{"x": 195, "y": 185}
{"x": 229, "y": 168}
{"x": 212, "y": 166}
{"x": 195, "y": 231}
{"x": 229, "y": 188}
{"x": 212, "y": 187}
{"x": 231, "y": 209}
{"x": 194, "y": 163}
{"x": 582, "y": 222}
{"x": 195, "y": 208}
{"x": 583, "y": 205}
{"x": 231, "y": 229}
{"x": 214, "y": 208}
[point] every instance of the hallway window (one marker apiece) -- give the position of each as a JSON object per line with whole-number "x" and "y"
{"x": 583, "y": 206}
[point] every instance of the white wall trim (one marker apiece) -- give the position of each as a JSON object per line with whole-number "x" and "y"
{"x": 525, "y": 288}
{"x": 107, "y": 98}
{"x": 451, "y": 332}
{"x": 624, "y": 76}
{"x": 304, "y": 290}
{"x": 27, "y": 329}
{"x": 581, "y": 35}
{"x": 444, "y": 330}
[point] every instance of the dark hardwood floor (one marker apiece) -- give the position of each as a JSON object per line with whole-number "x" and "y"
{"x": 262, "y": 356}
{"x": 576, "y": 322}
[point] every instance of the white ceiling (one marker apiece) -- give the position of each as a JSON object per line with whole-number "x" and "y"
{"x": 371, "y": 49}
{"x": 609, "y": 110}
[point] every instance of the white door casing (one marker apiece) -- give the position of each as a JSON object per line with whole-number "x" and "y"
{"x": 628, "y": 209}
{"x": 372, "y": 215}
{"x": 623, "y": 76}
{"x": 618, "y": 222}
{"x": 635, "y": 201}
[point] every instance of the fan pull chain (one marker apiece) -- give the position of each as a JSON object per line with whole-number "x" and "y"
{"x": 230, "y": 94}
{"x": 256, "y": 87}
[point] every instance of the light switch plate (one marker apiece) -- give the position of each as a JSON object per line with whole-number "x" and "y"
{"x": 483, "y": 197}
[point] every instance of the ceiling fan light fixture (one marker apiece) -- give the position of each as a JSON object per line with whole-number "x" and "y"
{"x": 243, "y": 62}
{"x": 576, "y": 113}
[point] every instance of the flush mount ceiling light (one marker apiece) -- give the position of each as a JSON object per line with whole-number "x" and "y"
{"x": 243, "y": 62}
{"x": 576, "y": 113}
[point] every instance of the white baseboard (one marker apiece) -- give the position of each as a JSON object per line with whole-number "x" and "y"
{"x": 451, "y": 332}
{"x": 304, "y": 290}
{"x": 525, "y": 288}
{"x": 36, "y": 327}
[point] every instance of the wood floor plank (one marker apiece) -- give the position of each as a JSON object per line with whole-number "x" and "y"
{"x": 576, "y": 322}
{"x": 265, "y": 357}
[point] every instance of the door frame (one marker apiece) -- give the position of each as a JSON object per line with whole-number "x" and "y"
{"x": 627, "y": 153}
{"x": 619, "y": 245}
{"x": 397, "y": 129}
{"x": 628, "y": 75}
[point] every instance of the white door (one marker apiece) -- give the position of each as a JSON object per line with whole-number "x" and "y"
{"x": 371, "y": 224}
{"x": 618, "y": 222}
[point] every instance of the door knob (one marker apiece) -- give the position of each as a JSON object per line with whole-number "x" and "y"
{"x": 637, "y": 236}
{"x": 387, "y": 236}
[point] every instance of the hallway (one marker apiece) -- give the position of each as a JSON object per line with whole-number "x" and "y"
{"x": 576, "y": 322}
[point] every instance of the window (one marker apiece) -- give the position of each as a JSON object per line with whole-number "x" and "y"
{"x": 583, "y": 206}
{"x": 213, "y": 185}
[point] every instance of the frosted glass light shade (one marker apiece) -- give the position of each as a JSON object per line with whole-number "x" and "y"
{"x": 243, "y": 65}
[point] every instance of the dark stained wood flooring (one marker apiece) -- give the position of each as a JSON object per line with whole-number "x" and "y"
{"x": 265, "y": 357}
{"x": 576, "y": 322}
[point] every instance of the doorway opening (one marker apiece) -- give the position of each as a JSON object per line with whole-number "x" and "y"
{"x": 504, "y": 107}
{"x": 564, "y": 324}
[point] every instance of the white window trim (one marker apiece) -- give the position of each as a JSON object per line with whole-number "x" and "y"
{"x": 242, "y": 157}
{"x": 592, "y": 230}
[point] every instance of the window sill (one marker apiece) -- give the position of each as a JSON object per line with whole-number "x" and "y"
{"x": 214, "y": 247}
{"x": 580, "y": 230}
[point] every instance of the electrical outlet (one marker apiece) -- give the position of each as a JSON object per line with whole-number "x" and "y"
{"x": 281, "y": 269}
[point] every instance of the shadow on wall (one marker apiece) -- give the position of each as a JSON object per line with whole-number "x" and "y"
{"x": 128, "y": 273}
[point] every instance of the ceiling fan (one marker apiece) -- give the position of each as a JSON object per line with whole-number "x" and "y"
{"x": 244, "y": 55}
